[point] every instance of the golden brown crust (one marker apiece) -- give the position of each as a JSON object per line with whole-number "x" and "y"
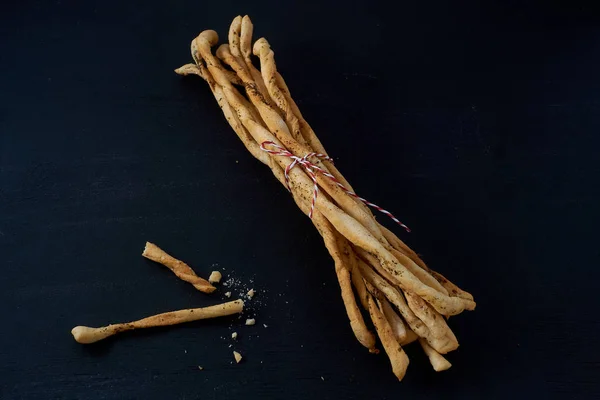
{"x": 179, "y": 268}
{"x": 85, "y": 334}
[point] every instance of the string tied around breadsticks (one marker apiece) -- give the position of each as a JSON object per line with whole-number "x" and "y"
{"x": 312, "y": 170}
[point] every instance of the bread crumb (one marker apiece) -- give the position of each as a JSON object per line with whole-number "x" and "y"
{"x": 237, "y": 356}
{"x": 200, "y": 368}
{"x": 251, "y": 293}
{"x": 234, "y": 335}
{"x": 250, "y": 321}
{"x": 323, "y": 379}
{"x": 227, "y": 294}
{"x": 215, "y": 277}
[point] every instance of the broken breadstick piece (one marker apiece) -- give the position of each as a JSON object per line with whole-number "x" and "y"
{"x": 215, "y": 277}
{"x": 85, "y": 334}
{"x": 234, "y": 335}
{"x": 179, "y": 268}
{"x": 251, "y": 293}
{"x": 438, "y": 362}
{"x": 250, "y": 321}
{"x": 237, "y": 356}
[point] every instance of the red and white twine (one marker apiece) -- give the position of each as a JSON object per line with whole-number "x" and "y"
{"x": 312, "y": 170}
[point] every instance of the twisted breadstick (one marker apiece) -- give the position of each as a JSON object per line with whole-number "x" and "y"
{"x": 179, "y": 268}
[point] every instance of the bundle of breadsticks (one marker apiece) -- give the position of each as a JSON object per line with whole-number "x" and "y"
{"x": 405, "y": 300}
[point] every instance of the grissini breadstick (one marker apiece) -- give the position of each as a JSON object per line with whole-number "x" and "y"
{"x": 268, "y": 71}
{"x": 359, "y": 287}
{"x": 246, "y": 39}
{"x": 397, "y": 356}
{"x": 240, "y": 38}
{"x": 179, "y": 268}
{"x": 373, "y": 262}
{"x": 85, "y": 334}
{"x": 438, "y": 362}
{"x": 393, "y": 319}
{"x": 364, "y": 336}
{"x": 423, "y": 275}
{"x": 435, "y": 322}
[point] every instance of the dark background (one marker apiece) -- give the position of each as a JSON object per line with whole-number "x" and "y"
{"x": 477, "y": 124}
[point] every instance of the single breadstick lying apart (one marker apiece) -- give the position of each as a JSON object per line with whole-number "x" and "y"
{"x": 179, "y": 268}
{"x": 85, "y": 334}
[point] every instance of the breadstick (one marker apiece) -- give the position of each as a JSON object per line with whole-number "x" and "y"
{"x": 246, "y": 39}
{"x": 372, "y": 261}
{"x": 359, "y": 286}
{"x": 268, "y": 70}
{"x": 179, "y": 268}
{"x": 85, "y": 334}
{"x": 189, "y": 69}
{"x": 417, "y": 271}
{"x": 393, "y": 319}
{"x": 396, "y": 354}
{"x": 435, "y": 322}
{"x": 240, "y": 41}
{"x": 438, "y": 362}
{"x": 364, "y": 336}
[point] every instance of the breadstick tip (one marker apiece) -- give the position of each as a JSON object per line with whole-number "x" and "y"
{"x": 222, "y": 50}
{"x": 210, "y": 36}
{"x": 188, "y": 69}
{"x": 258, "y": 46}
{"x": 86, "y": 335}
